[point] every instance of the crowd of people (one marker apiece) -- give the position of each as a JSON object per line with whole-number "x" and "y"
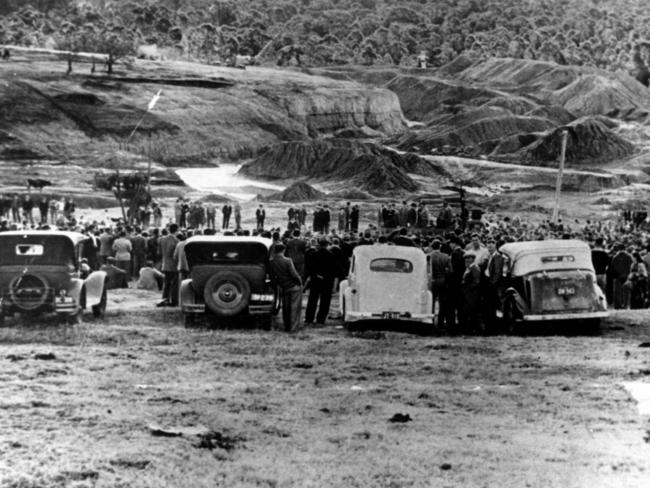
{"x": 465, "y": 262}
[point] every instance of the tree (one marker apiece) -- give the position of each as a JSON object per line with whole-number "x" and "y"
{"x": 68, "y": 40}
{"x": 116, "y": 42}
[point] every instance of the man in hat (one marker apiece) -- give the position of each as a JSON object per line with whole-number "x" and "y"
{"x": 321, "y": 270}
{"x": 471, "y": 287}
{"x": 287, "y": 278}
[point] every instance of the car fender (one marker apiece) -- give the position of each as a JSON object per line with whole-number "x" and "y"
{"x": 74, "y": 288}
{"x": 344, "y": 285}
{"x": 186, "y": 293}
{"x": 95, "y": 284}
{"x": 519, "y": 301}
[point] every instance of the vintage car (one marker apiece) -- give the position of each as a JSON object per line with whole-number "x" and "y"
{"x": 229, "y": 276}
{"x": 550, "y": 280}
{"x": 386, "y": 283}
{"x": 40, "y": 272}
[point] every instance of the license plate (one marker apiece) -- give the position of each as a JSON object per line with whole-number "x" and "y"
{"x": 390, "y": 315}
{"x": 566, "y": 290}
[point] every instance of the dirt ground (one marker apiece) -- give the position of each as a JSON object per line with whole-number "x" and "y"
{"x": 101, "y": 404}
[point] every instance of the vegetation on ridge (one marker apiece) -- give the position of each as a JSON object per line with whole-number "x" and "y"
{"x": 609, "y": 34}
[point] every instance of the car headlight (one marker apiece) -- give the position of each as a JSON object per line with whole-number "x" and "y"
{"x": 63, "y": 293}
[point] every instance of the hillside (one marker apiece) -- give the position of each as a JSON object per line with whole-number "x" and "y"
{"x": 509, "y": 110}
{"x": 204, "y": 113}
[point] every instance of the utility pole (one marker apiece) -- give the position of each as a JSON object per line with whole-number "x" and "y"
{"x": 558, "y": 183}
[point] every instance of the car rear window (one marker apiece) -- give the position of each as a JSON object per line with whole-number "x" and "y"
{"x": 226, "y": 253}
{"x": 391, "y": 265}
{"x": 36, "y": 250}
{"x": 558, "y": 259}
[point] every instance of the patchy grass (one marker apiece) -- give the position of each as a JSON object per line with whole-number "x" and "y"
{"x": 313, "y": 409}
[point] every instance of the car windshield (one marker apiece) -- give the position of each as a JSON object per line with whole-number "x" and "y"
{"x": 30, "y": 250}
{"x": 225, "y": 253}
{"x": 391, "y": 265}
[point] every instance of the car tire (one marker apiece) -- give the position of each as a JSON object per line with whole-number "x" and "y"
{"x": 277, "y": 300}
{"x": 227, "y": 293}
{"x": 100, "y": 308}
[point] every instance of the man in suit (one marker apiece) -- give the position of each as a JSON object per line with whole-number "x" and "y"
{"x": 139, "y": 252}
{"x": 296, "y": 250}
{"x": 287, "y": 278}
{"x": 166, "y": 247}
{"x": 440, "y": 269}
{"x": 260, "y": 215}
{"x": 321, "y": 271}
{"x": 454, "y": 282}
{"x": 619, "y": 270}
{"x": 492, "y": 284}
{"x": 471, "y": 293}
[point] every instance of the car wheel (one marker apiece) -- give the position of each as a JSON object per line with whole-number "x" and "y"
{"x": 227, "y": 293}
{"x": 100, "y": 308}
{"x": 509, "y": 316}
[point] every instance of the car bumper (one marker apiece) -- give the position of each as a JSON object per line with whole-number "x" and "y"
{"x": 257, "y": 307}
{"x": 65, "y": 305}
{"x": 561, "y": 316}
{"x": 407, "y": 317}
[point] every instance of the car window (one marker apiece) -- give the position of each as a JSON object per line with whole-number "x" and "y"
{"x": 391, "y": 265}
{"x": 199, "y": 253}
{"x": 36, "y": 250}
{"x": 558, "y": 259}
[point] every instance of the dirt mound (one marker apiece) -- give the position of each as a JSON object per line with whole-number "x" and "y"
{"x": 298, "y": 192}
{"x": 424, "y": 97}
{"x": 473, "y": 134}
{"x": 601, "y": 94}
{"x": 590, "y": 140}
{"x": 365, "y": 166}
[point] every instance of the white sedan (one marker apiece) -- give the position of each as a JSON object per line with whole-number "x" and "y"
{"x": 387, "y": 283}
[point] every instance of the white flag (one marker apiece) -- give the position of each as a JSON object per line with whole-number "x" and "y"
{"x": 153, "y": 101}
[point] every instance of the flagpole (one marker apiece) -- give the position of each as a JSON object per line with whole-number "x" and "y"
{"x": 558, "y": 183}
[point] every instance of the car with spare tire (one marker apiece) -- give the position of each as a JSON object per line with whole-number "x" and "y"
{"x": 43, "y": 272}
{"x": 228, "y": 277}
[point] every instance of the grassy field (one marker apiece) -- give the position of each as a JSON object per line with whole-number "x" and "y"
{"x": 101, "y": 404}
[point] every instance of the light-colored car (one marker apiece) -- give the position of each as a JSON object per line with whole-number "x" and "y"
{"x": 387, "y": 283}
{"x": 40, "y": 272}
{"x": 550, "y": 280}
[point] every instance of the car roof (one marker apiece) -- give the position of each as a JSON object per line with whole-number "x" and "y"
{"x": 526, "y": 257}
{"x": 388, "y": 251}
{"x": 515, "y": 250}
{"x": 238, "y": 239}
{"x": 74, "y": 237}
